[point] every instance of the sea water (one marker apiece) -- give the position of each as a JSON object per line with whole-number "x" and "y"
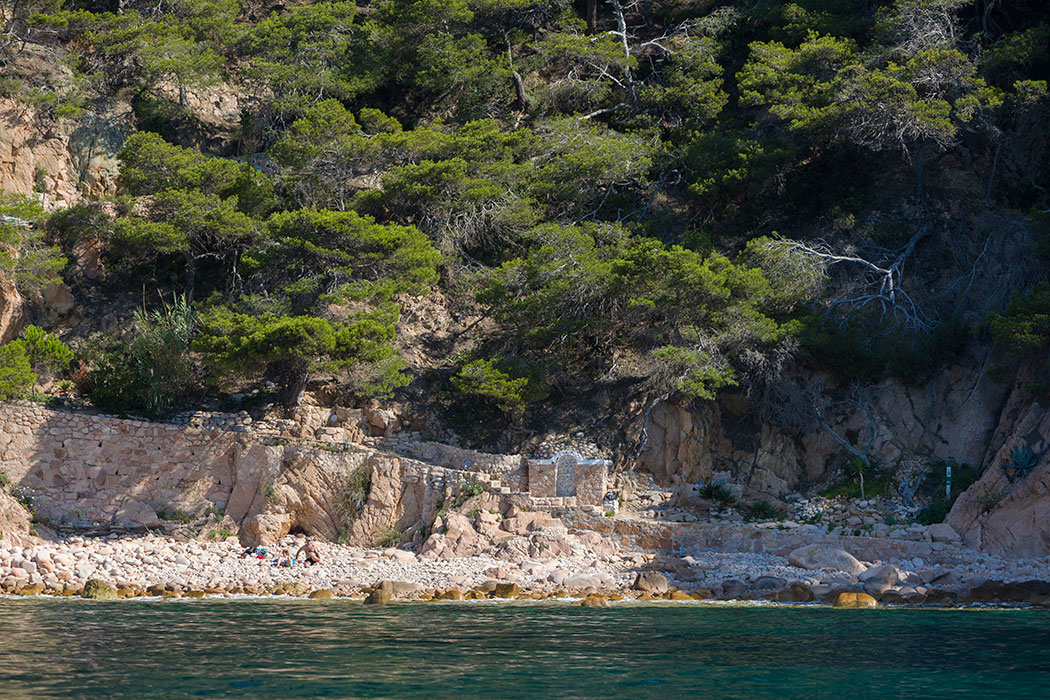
{"x": 341, "y": 649}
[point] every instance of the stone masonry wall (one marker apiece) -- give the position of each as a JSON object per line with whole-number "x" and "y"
{"x": 449, "y": 456}
{"x": 86, "y": 469}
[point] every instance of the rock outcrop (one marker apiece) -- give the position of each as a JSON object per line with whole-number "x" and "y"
{"x": 953, "y": 415}
{"x": 11, "y": 304}
{"x": 287, "y": 488}
{"x": 62, "y": 161}
{"x": 14, "y": 522}
{"x": 1004, "y": 512}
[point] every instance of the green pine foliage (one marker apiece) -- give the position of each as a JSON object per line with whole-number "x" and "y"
{"x": 16, "y": 372}
{"x": 604, "y": 204}
{"x": 21, "y": 360}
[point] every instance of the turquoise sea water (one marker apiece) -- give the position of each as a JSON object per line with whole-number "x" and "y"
{"x": 341, "y": 649}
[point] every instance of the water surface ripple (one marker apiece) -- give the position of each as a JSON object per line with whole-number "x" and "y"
{"x": 341, "y": 649}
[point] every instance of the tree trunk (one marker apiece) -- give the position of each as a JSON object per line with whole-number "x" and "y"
{"x": 519, "y": 84}
{"x": 647, "y": 12}
{"x": 183, "y": 99}
{"x": 920, "y": 171}
{"x": 191, "y": 276}
{"x": 592, "y": 16}
{"x": 621, "y": 24}
{"x": 291, "y": 373}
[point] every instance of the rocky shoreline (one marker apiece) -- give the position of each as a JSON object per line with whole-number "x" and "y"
{"x": 166, "y": 567}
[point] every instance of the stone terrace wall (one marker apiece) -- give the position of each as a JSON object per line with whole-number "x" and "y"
{"x": 411, "y": 445}
{"x": 87, "y": 469}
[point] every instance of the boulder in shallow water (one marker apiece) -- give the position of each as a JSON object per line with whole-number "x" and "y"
{"x": 733, "y": 589}
{"x": 96, "y": 589}
{"x": 33, "y": 589}
{"x": 594, "y": 601}
{"x": 825, "y": 556}
{"x": 849, "y": 599}
{"x": 322, "y": 594}
{"x": 506, "y": 590}
{"x": 879, "y": 579}
{"x": 794, "y": 592}
{"x": 381, "y": 594}
{"x": 765, "y": 584}
{"x": 451, "y": 594}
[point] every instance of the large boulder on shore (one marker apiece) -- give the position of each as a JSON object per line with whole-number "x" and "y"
{"x": 850, "y": 599}
{"x": 136, "y": 514}
{"x": 650, "y": 582}
{"x": 879, "y": 579}
{"x": 825, "y": 556}
{"x": 941, "y": 532}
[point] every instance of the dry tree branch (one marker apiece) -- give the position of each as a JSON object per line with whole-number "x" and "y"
{"x": 884, "y": 290}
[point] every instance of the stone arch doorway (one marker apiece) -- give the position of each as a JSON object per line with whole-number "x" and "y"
{"x": 565, "y": 463}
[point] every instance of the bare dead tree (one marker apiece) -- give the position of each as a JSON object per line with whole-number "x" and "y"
{"x": 860, "y": 397}
{"x": 519, "y": 84}
{"x": 925, "y": 24}
{"x": 775, "y": 397}
{"x": 876, "y": 286}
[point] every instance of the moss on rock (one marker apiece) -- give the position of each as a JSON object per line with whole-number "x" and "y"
{"x": 96, "y": 589}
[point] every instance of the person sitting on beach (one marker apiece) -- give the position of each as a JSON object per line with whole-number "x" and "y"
{"x": 309, "y": 553}
{"x": 285, "y": 560}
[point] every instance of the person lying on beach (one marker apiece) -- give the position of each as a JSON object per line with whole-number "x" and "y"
{"x": 309, "y": 553}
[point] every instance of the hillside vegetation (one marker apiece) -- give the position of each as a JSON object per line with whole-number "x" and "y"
{"x": 675, "y": 196}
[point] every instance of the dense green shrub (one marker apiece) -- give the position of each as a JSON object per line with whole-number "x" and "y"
{"x": 1025, "y": 327}
{"x": 151, "y": 371}
{"x": 16, "y": 373}
{"x": 44, "y": 349}
{"x": 21, "y": 358}
{"x": 25, "y": 255}
{"x": 761, "y": 510}
{"x": 287, "y": 348}
{"x": 488, "y": 393}
{"x": 718, "y": 493}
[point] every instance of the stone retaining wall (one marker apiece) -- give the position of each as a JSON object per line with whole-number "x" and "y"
{"x": 691, "y": 538}
{"x": 87, "y": 469}
{"x": 451, "y": 457}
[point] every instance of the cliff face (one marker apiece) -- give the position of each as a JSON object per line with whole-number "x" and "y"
{"x": 11, "y": 304}
{"x": 953, "y": 415}
{"x": 959, "y": 414}
{"x": 14, "y": 522}
{"x": 1003, "y": 512}
{"x": 62, "y": 160}
{"x": 266, "y": 480}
